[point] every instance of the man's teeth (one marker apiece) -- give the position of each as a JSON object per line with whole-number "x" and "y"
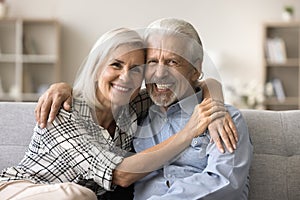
{"x": 163, "y": 86}
{"x": 121, "y": 88}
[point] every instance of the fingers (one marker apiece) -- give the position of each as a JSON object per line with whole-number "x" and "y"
{"x": 220, "y": 136}
{"x": 55, "y": 106}
{"x": 231, "y": 126}
{"x": 216, "y": 139}
{"x": 226, "y": 139}
{"x": 37, "y": 110}
{"x": 67, "y": 104}
{"x": 44, "y": 111}
{"x": 228, "y": 131}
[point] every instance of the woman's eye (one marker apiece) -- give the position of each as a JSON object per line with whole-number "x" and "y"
{"x": 116, "y": 65}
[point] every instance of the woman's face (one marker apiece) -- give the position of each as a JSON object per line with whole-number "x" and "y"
{"x": 120, "y": 78}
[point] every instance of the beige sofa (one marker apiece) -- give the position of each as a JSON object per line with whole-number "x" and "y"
{"x": 275, "y": 170}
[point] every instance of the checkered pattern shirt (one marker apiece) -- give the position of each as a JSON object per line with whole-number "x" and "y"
{"x": 75, "y": 149}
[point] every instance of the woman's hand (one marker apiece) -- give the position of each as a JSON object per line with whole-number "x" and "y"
{"x": 59, "y": 94}
{"x": 204, "y": 113}
{"x": 223, "y": 129}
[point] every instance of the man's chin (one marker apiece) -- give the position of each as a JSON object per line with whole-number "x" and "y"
{"x": 161, "y": 100}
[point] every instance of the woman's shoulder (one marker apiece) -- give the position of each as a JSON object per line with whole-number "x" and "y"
{"x": 78, "y": 107}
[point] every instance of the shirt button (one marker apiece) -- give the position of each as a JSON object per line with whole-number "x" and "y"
{"x": 195, "y": 142}
{"x": 168, "y": 183}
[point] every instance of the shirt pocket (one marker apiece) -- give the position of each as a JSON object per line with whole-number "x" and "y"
{"x": 199, "y": 144}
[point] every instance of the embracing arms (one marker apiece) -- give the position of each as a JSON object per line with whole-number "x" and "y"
{"x": 221, "y": 130}
{"x": 209, "y": 114}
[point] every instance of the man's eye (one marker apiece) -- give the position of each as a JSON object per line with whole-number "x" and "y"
{"x": 137, "y": 69}
{"x": 151, "y": 62}
{"x": 172, "y": 63}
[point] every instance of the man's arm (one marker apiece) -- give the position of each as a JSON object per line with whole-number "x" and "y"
{"x": 59, "y": 94}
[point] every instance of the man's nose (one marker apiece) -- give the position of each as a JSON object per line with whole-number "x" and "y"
{"x": 161, "y": 70}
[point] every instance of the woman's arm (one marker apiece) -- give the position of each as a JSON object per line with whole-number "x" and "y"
{"x": 223, "y": 127}
{"x": 212, "y": 89}
{"x": 137, "y": 166}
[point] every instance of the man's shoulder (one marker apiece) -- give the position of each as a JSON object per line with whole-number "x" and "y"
{"x": 233, "y": 111}
{"x": 237, "y": 116}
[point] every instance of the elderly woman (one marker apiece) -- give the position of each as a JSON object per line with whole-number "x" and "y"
{"x": 79, "y": 154}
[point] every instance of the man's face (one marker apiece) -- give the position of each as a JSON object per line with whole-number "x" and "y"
{"x": 169, "y": 76}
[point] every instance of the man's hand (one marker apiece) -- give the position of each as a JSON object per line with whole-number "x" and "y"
{"x": 59, "y": 94}
{"x": 223, "y": 129}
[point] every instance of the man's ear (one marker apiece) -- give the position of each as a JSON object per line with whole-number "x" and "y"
{"x": 197, "y": 70}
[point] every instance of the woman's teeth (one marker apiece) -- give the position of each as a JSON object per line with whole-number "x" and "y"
{"x": 123, "y": 89}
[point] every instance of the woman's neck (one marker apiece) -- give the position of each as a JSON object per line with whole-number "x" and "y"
{"x": 105, "y": 118}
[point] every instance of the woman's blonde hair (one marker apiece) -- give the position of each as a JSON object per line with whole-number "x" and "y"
{"x": 85, "y": 85}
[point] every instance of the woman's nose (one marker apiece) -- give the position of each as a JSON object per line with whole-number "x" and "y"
{"x": 124, "y": 74}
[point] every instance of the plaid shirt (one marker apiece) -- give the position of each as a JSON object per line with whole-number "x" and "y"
{"x": 75, "y": 149}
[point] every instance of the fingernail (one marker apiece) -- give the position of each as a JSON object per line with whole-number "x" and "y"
{"x": 230, "y": 150}
{"x": 42, "y": 125}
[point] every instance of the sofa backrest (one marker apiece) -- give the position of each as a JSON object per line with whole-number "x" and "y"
{"x": 275, "y": 169}
{"x": 16, "y": 128}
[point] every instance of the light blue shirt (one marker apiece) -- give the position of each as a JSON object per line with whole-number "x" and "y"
{"x": 199, "y": 172}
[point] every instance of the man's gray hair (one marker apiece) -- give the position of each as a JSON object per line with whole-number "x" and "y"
{"x": 181, "y": 28}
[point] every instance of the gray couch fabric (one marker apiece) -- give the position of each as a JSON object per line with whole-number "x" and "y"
{"x": 275, "y": 169}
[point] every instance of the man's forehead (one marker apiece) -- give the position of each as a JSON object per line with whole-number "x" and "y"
{"x": 170, "y": 44}
{"x": 154, "y": 52}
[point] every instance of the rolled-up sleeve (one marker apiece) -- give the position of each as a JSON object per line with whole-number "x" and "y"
{"x": 225, "y": 176}
{"x": 101, "y": 168}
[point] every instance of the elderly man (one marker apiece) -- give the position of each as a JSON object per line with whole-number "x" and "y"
{"x": 174, "y": 59}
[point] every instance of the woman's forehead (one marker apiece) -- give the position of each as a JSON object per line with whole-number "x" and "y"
{"x": 124, "y": 50}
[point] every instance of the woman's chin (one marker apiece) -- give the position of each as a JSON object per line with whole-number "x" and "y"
{"x": 121, "y": 100}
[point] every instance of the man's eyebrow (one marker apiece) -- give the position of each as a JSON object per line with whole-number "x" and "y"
{"x": 151, "y": 58}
